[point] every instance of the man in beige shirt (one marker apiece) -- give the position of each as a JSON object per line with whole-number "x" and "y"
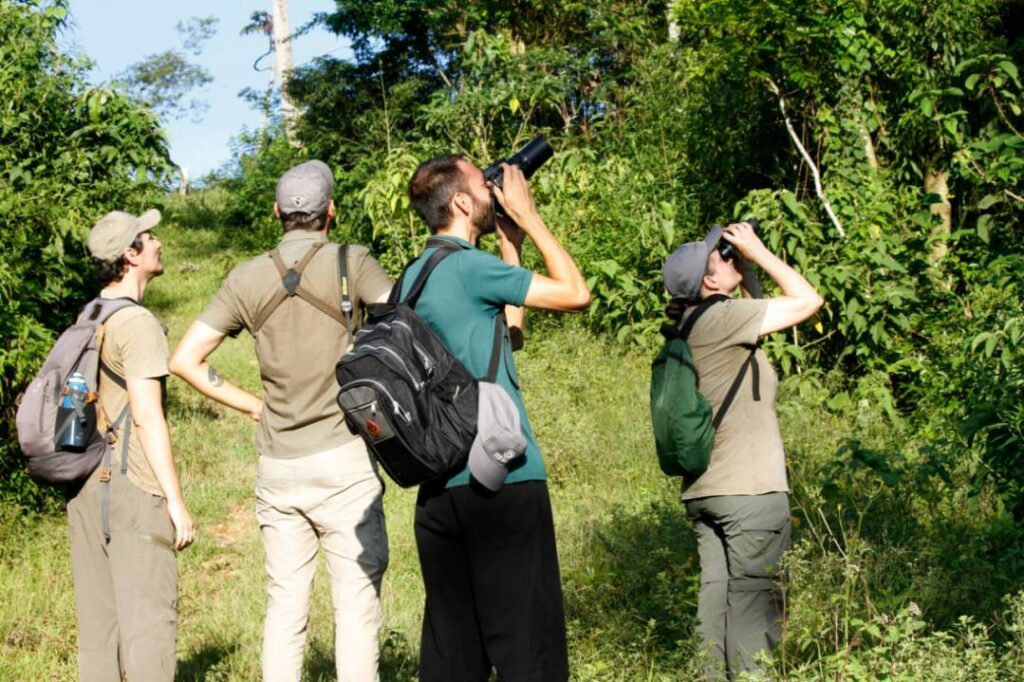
{"x": 129, "y": 518}
{"x": 316, "y": 484}
{"x": 739, "y": 506}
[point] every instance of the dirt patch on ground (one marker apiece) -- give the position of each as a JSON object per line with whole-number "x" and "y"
{"x": 240, "y": 522}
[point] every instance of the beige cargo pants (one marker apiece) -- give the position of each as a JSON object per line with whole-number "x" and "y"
{"x": 331, "y": 499}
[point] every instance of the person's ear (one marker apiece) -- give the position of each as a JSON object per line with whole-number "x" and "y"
{"x": 709, "y": 282}
{"x": 277, "y": 211}
{"x": 463, "y": 203}
{"x": 131, "y": 256}
{"x": 331, "y": 210}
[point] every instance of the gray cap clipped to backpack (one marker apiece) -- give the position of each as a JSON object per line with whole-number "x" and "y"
{"x": 306, "y": 188}
{"x": 684, "y": 270}
{"x": 499, "y": 438}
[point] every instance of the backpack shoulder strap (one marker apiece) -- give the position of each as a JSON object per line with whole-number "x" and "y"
{"x": 749, "y": 361}
{"x": 498, "y": 346}
{"x": 444, "y": 248}
{"x": 686, "y": 324}
{"x": 291, "y": 285}
{"x": 98, "y": 310}
{"x": 346, "y": 299}
{"x": 101, "y": 316}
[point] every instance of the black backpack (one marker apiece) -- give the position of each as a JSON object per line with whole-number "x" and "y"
{"x": 404, "y": 393}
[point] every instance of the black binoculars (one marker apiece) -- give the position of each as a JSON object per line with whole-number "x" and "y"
{"x": 726, "y": 250}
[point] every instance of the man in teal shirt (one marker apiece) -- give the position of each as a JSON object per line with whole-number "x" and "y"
{"x": 490, "y": 567}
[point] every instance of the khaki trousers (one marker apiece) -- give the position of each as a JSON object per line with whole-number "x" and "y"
{"x": 331, "y": 499}
{"x": 740, "y": 539}
{"x": 126, "y": 590}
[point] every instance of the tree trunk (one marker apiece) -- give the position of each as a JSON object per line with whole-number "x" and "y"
{"x": 283, "y": 66}
{"x": 183, "y": 184}
{"x": 935, "y": 183}
{"x": 869, "y": 146}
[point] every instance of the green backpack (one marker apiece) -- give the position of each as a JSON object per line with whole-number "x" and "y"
{"x": 684, "y": 426}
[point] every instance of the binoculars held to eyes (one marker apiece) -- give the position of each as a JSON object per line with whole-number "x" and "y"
{"x": 726, "y": 250}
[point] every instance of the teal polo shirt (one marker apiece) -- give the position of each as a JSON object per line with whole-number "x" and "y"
{"x": 462, "y": 296}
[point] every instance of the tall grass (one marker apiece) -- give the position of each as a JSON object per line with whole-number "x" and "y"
{"x": 876, "y": 580}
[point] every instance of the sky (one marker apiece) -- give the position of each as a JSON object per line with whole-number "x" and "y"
{"x": 117, "y": 33}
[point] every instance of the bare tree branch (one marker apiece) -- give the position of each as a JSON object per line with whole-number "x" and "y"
{"x": 807, "y": 158}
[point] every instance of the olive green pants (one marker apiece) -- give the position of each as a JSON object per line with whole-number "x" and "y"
{"x": 126, "y": 590}
{"x": 740, "y": 539}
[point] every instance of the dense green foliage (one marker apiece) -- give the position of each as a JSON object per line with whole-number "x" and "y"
{"x": 68, "y": 154}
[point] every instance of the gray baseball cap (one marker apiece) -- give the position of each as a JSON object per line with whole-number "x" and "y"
{"x": 307, "y": 187}
{"x": 499, "y": 440}
{"x": 116, "y": 231}
{"x": 684, "y": 270}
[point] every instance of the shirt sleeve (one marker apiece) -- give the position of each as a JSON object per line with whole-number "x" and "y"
{"x": 494, "y": 281}
{"x": 738, "y": 322}
{"x": 372, "y": 283}
{"x": 143, "y": 348}
{"x": 223, "y": 312}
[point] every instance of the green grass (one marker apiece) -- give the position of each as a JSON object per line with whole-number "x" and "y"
{"x": 628, "y": 559}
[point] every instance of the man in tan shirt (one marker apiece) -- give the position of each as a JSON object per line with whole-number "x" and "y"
{"x": 129, "y": 518}
{"x": 316, "y": 484}
{"x": 739, "y": 506}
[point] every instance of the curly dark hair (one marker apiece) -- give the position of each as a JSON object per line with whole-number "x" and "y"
{"x": 108, "y": 273}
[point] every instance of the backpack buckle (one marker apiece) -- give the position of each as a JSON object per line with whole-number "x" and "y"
{"x": 105, "y": 474}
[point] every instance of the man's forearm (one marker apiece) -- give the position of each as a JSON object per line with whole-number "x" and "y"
{"x": 559, "y": 264}
{"x": 515, "y": 316}
{"x": 145, "y": 398}
{"x": 206, "y": 379}
{"x": 563, "y": 287}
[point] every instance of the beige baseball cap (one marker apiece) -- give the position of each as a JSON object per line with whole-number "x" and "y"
{"x": 116, "y": 231}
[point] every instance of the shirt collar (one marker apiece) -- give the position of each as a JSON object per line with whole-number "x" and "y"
{"x": 458, "y": 240}
{"x": 301, "y": 236}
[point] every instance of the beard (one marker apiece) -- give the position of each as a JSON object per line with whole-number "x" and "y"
{"x": 484, "y": 219}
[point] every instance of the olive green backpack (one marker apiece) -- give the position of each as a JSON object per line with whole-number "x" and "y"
{"x": 684, "y": 423}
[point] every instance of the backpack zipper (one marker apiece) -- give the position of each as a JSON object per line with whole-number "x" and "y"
{"x": 406, "y": 416}
{"x": 364, "y": 349}
{"x": 428, "y": 366}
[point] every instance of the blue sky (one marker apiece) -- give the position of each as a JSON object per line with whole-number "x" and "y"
{"x": 117, "y": 33}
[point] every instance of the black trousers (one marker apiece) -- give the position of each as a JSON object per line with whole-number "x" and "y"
{"x": 494, "y": 597}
